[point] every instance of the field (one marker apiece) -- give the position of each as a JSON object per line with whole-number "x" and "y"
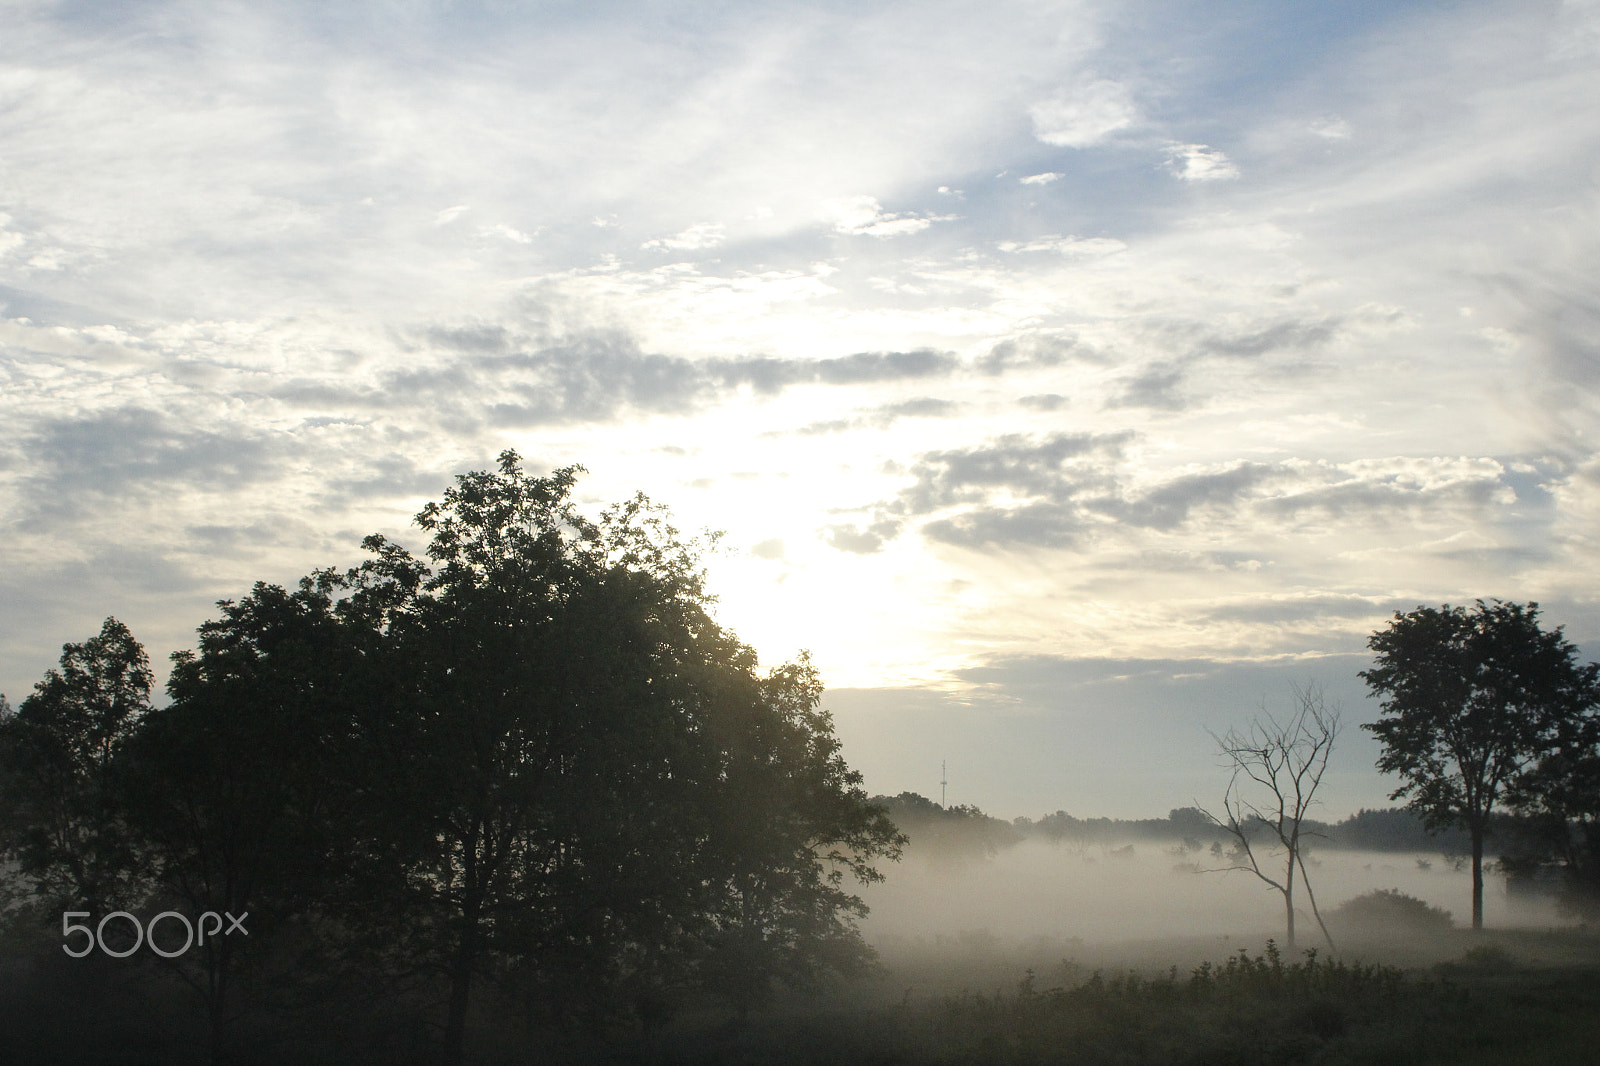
{"x": 1502, "y": 999}
{"x": 1038, "y": 955}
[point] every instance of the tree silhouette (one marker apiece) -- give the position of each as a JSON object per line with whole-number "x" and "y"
{"x": 1472, "y": 698}
{"x": 1561, "y": 796}
{"x": 1277, "y": 767}
{"x": 529, "y": 754}
{"x": 237, "y": 790}
{"x": 58, "y": 797}
{"x": 588, "y": 778}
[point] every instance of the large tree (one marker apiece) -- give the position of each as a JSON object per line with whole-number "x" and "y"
{"x": 578, "y": 754}
{"x": 529, "y": 753}
{"x": 1471, "y": 698}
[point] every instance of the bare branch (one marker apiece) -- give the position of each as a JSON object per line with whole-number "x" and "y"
{"x": 1282, "y": 762}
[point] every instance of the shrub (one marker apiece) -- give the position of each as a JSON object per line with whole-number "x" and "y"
{"x": 1392, "y": 910}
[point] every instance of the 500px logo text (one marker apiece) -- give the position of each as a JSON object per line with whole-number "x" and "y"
{"x": 96, "y": 937}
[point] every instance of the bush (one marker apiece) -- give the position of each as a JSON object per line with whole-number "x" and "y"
{"x": 1389, "y": 909}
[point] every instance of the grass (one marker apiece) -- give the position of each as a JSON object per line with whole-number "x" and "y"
{"x": 1502, "y": 999}
{"x": 1484, "y": 1007}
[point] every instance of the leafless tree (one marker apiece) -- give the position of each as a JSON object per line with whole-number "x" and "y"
{"x": 1277, "y": 766}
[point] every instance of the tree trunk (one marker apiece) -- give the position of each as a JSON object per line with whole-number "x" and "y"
{"x": 1477, "y": 875}
{"x": 1288, "y": 907}
{"x": 455, "y": 1026}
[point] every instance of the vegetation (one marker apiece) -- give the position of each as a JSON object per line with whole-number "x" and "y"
{"x": 1472, "y": 700}
{"x": 1277, "y": 769}
{"x": 1388, "y": 910}
{"x": 520, "y": 795}
{"x": 527, "y": 764}
{"x": 948, "y": 834}
{"x": 1251, "y": 1008}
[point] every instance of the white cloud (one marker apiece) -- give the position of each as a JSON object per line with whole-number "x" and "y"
{"x": 705, "y": 235}
{"x": 1084, "y": 115}
{"x": 1199, "y": 162}
{"x": 449, "y": 215}
{"x": 1070, "y": 246}
{"x": 863, "y": 216}
{"x": 509, "y": 233}
{"x": 1331, "y": 127}
{"x": 1040, "y": 179}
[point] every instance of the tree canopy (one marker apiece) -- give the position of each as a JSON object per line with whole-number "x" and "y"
{"x": 1472, "y": 697}
{"x": 58, "y": 812}
{"x": 528, "y": 754}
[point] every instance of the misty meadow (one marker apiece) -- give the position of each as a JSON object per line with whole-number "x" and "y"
{"x": 901, "y": 531}
{"x": 520, "y": 795}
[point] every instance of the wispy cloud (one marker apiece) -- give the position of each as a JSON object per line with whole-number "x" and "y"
{"x": 950, "y": 316}
{"x": 1084, "y": 114}
{"x": 1199, "y": 162}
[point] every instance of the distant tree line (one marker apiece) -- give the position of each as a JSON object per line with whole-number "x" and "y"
{"x": 966, "y": 829}
{"x": 527, "y": 764}
{"x": 926, "y": 823}
{"x": 1490, "y": 720}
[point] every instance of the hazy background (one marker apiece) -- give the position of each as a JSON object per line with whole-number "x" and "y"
{"x": 1098, "y": 895}
{"x": 1068, "y": 377}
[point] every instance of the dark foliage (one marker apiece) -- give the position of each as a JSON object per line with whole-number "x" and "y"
{"x": 527, "y": 771}
{"x": 948, "y": 834}
{"x": 1473, "y": 698}
{"x": 1388, "y": 911}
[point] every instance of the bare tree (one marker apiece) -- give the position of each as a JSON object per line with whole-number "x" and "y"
{"x": 1277, "y": 766}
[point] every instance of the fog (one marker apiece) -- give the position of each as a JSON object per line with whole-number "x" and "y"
{"x": 1148, "y": 889}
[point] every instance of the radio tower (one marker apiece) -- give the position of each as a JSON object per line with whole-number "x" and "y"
{"x": 942, "y": 782}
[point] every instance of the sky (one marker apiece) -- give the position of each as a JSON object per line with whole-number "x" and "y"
{"x": 1072, "y": 379}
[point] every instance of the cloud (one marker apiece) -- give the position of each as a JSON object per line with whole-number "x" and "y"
{"x": 1085, "y": 115}
{"x": 1298, "y": 335}
{"x": 77, "y": 462}
{"x": 476, "y": 376}
{"x": 770, "y": 375}
{"x": 1051, "y": 469}
{"x": 1155, "y": 387}
{"x": 768, "y": 549}
{"x": 1069, "y": 490}
{"x": 1015, "y": 463}
{"x": 1032, "y": 350}
{"x": 1169, "y": 505}
{"x": 886, "y": 415}
{"x": 863, "y": 216}
{"x": 1041, "y": 179}
{"x": 695, "y": 238}
{"x": 1072, "y": 247}
{"x": 1198, "y": 162}
{"x": 853, "y": 539}
{"x": 1289, "y": 608}
{"x": 1331, "y": 127}
{"x": 1044, "y": 524}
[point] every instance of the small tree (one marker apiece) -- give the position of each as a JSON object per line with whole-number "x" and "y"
{"x": 1473, "y": 697}
{"x": 59, "y": 815}
{"x": 1276, "y": 769}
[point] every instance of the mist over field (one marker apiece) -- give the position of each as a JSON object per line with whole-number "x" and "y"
{"x": 1145, "y": 890}
{"x": 485, "y": 486}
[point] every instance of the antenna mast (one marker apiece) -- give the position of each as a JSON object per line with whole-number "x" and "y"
{"x": 942, "y": 782}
